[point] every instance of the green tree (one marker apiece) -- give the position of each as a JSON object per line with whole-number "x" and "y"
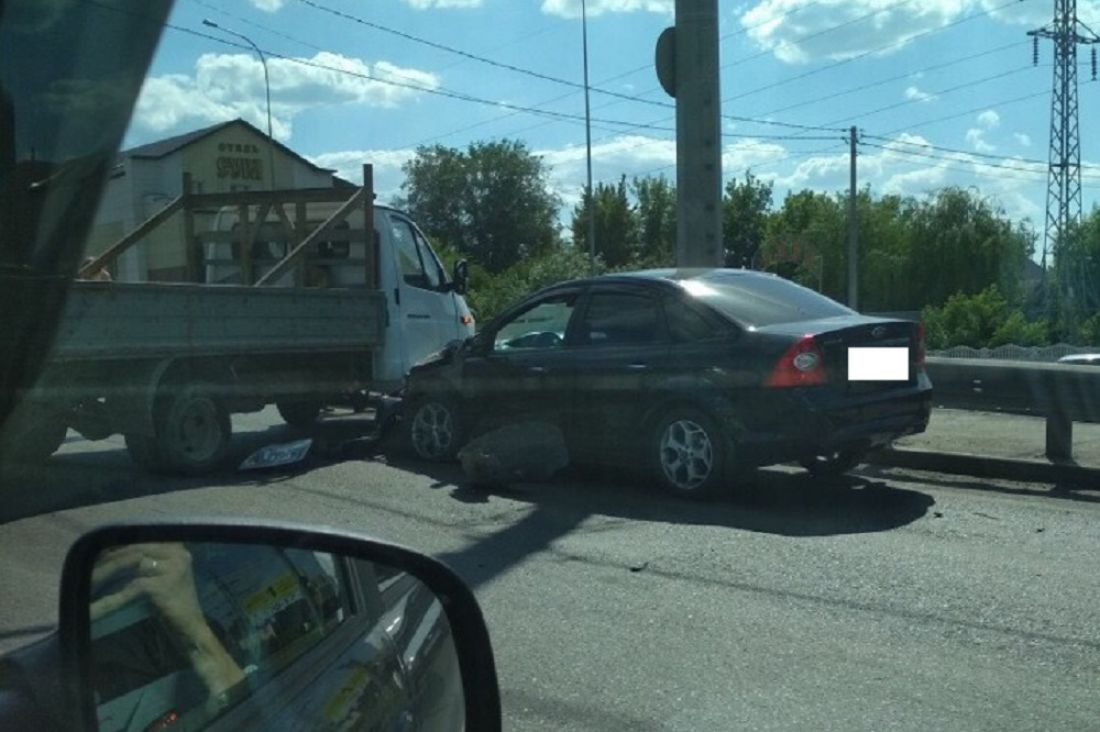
{"x": 962, "y": 243}
{"x": 1076, "y": 276}
{"x": 492, "y": 202}
{"x": 884, "y": 242}
{"x": 745, "y": 209}
{"x": 805, "y": 238}
{"x": 656, "y": 213}
{"x": 616, "y": 224}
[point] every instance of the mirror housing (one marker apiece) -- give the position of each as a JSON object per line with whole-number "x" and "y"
{"x": 338, "y": 669}
{"x": 460, "y": 278}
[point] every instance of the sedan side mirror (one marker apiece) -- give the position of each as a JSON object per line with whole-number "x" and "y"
{"x": 461, "y": 277}
{"x": 236, "y": 626}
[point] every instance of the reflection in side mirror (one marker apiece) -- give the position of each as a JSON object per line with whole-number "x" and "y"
{"x": 461, "y": 276}
{"x": 205, "y": 631}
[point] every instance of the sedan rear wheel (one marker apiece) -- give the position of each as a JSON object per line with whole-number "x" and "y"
{"x": 690, "y": 454}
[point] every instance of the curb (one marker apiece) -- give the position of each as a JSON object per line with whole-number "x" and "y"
{"x": 986, "y": 467}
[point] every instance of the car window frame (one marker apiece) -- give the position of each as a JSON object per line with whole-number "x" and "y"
{"x": 722, "y": 326}
{"x": 663, "y": 338}
{"x": 490, "y": 333}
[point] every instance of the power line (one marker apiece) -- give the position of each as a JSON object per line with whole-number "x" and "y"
{"x": 941, "y": 92}
{"x": 476, "y": 57}
{"x": 518, "y": 69}
{"x": 822, "y": 32}
{"x": 461, "y": 96}
{"x": 898, "y": 77}
{"x": 314, "y": 46}
{"x": 1030, "y": 174}
{"x": 956, "y": 115}
{"x": 894, "y": 44}
{"x": 943, "y": 148}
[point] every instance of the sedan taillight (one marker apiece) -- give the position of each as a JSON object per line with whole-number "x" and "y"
{"x": 803, "y": 364}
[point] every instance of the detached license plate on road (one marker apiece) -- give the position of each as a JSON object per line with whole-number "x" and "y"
{"x": 878, "y": 364}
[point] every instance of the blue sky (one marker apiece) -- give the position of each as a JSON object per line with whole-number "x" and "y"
{"x": 943, "y": 91}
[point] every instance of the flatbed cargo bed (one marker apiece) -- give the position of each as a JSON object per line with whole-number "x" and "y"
{"x": 112, "y": 320}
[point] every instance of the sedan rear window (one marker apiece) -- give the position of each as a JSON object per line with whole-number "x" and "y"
{"x": 758, "y": 300}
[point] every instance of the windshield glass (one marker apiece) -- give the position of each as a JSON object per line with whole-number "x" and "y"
{"x": 743, "y": 357}
{"x": 760, "y": 301}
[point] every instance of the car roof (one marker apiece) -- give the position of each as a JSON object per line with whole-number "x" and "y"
{"x": 664, "y": 277}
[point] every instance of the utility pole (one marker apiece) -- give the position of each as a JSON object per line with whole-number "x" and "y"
{"x": 853, "y": 221}
{"x": 1064, "y": 172}
{"x": 591, "y": 203}
{"x": 687, "y": 66}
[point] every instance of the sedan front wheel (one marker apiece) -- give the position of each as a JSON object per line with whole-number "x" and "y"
{"x": 434, "y": 429}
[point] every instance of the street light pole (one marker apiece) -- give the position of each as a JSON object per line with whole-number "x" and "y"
{"x": 267, "y": 89}
{"x": 588, "y": 146}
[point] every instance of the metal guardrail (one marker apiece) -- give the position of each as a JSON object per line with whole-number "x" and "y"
{"x": 1062, "y": 393}
{"x": 1049, "y": 354}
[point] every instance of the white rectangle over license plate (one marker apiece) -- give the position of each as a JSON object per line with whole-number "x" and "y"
{"x": 878, "y": 364}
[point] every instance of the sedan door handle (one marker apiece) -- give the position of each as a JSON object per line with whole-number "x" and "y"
{"x": 537, "y": 369}
{"x": 637, "y": 366}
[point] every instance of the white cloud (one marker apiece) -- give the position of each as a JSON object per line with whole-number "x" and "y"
{"x": 794, "y": 30}
{"x": 800, "y": 31}
{"x": 989, "y": 119}
{"x": 917, "y": 95}
{"x": 821, "y": 170}
{"x": 572, "y": 8}
{"x": 426, "y": 4}
{"x": 388, "y": 177}
{"x": 226, "y": 86}
{"x": 1022, "y": 138}
{"x": 975, "y": 137}
{"x": 268, "y": 6}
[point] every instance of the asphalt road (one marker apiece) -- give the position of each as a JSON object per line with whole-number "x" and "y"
{"x": 890, "y": 600}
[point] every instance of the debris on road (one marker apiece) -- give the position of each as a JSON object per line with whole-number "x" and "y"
{"x": 521, "y": 452}
{"x": 271, "y": 456}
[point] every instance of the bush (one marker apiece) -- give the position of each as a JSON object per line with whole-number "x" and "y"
{"x": 1088, "y": 334}
{"x": 490, "y": 295}
{"x": 983, "y": 320}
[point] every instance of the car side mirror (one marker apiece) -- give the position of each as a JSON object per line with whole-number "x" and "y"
{"x": 250, "y": 626}
{"x": 461, "y": 277}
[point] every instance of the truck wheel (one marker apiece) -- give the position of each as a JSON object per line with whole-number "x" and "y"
{"x": 433, "y": 429}
{"x": 833, "y": 464}
{"x": 193, "y": 431}
{"x": 299, "y": 414}
{"x": 36, "y": 442}
{"x": 689, "y": 453}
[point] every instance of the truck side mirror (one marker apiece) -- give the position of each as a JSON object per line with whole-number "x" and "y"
{"x": 461, "y": 276}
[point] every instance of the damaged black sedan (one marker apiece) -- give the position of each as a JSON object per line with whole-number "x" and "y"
{"x": 698, "y": 376}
